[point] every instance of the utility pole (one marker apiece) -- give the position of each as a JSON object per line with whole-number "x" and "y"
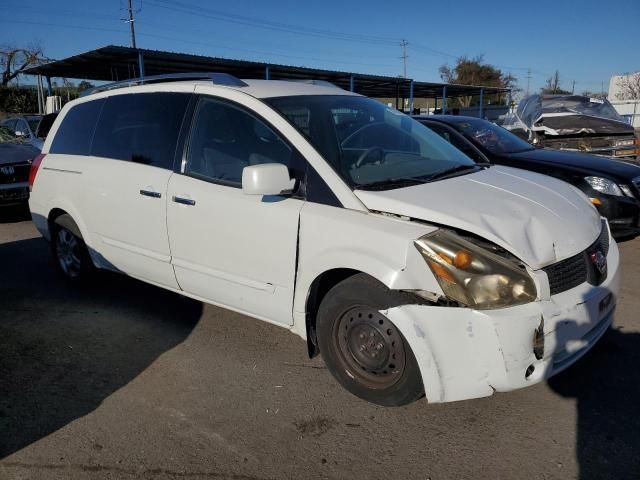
{"x": 528, "y": 79}
{"x": 404, "y": 56}
{"x": 573, "y": 87}
{"x": 131, "y": 20}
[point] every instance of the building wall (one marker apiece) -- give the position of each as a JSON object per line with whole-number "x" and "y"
{"x": 629, "y": 109}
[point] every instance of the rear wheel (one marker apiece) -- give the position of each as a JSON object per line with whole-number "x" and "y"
{"x": 363, "y": 349}
{"x": 70, "y": 253}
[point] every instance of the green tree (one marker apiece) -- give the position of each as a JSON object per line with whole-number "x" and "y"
{"x": 473, "y": 71}
{"x": 84, "y": 85}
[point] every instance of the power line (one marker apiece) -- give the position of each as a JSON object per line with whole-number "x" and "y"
{"x": 199, "y": 11}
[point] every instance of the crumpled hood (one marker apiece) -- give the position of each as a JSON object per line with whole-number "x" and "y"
{"x": 539, "y": 219}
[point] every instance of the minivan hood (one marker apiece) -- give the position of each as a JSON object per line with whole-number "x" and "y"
{"x": 539, "y": 219}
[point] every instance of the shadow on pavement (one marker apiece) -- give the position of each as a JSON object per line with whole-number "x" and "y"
{"x": 64, "y": 350}
{"x": 606, "y": 386}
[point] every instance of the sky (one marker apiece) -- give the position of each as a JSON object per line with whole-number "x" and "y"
{"x": 587, "y": 41}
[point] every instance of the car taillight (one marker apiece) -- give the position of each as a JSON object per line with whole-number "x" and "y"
{"x": 34, "y": 169}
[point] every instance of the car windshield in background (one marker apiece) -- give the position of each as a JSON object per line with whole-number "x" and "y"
{"x": 33, "y": 122}
{"x": 492, "y": 137}
{"x": 7, "y": 136}
{"x": 579, "y": 105}
{"x": 369, "y": 144}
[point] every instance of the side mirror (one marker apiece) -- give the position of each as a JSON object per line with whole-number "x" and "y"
{"x": 267, "y": 179}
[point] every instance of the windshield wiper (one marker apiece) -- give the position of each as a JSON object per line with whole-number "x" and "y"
{"x": 453, "y": 172}
{"x": 391, "y": 183}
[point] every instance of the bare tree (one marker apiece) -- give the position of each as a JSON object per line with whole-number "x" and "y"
{"x": 629, "y": 87}
{"x": 553, "y": 85}
{"x": 15, "y": 60}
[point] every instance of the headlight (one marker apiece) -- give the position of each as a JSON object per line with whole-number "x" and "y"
{"x": 625, "y": 142}
{"x": 604, "y": 185}
{"x": 473, "y": 275}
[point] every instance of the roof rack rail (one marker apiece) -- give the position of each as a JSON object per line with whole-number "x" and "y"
{"x": 216, "y": 78}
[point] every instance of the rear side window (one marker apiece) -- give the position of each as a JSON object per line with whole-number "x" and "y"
{"x": 141, "y": 128}
{"x": 74, "y": 134}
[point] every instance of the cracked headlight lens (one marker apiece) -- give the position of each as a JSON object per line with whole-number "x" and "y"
{"x": 473, "y": 275}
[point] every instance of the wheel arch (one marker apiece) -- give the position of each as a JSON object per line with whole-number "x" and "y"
{"x": 319, "y": 287}
{"x": 324, "y": 282}
{"x": 58, "y": 216}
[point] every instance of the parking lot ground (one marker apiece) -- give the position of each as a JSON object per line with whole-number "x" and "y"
{"x": 119, "y": 379}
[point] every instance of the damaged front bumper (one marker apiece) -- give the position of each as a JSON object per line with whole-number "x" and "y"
{"x": 465, "y": 353}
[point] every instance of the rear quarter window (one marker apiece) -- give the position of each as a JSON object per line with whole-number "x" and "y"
{"x": 76, "y": 130}
{"x": 141, "y": 128}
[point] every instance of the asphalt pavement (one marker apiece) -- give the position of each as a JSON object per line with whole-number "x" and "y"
{"x": 120, "y": 380}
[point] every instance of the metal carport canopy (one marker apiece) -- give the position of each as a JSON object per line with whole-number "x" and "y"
{"x": 112, "y": 63}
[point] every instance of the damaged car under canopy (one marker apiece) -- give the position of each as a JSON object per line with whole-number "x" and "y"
{"x": 573, "y": 122}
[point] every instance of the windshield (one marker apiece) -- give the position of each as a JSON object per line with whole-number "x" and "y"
{"x": 7, "y": 136}
{"x": 368, "y": 143}
{"x": 579, "y": 105}
{"x": 33, "y": 123}
{"x": 490, "y": 136}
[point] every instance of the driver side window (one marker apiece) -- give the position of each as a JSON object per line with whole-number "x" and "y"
{"x": 458, "y": 142}
{"x": 226, "y": 138}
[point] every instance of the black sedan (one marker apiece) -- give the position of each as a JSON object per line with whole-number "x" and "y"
{"x": 613, "y": 186}
{"x": 15, "y": 163}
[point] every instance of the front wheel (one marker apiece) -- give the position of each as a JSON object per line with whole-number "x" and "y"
{"x": 362, "y": 348}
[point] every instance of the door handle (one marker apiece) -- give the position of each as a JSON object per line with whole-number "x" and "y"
{"x": 149, "y": 193}
{"x": 184, "y": 201}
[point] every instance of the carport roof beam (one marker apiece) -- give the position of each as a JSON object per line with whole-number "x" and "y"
{"x": 112, "y": 63}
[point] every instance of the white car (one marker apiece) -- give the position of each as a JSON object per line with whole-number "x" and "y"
{"x": 411, "y": 269}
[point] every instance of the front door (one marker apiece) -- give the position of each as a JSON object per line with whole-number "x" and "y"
{"x": 227, "y": 247}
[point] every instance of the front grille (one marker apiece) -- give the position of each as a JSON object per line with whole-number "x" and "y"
{"x": 567, "y": 274}
{"x": 603, "y": 240}
{"x": 15, "y": 173}
{"x": 573, "y": 271}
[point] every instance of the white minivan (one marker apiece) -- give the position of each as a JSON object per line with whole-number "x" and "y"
{"x": 411, "y": 269}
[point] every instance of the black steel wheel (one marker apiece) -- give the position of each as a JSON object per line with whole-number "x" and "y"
{"x": 369, "y": 346}
{"x": 362, "y": 348}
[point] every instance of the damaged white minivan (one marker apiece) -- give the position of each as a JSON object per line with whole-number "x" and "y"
{"x": 411, "y": 269}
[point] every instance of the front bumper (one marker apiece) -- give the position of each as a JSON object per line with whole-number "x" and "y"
{"x": 465, "y": 353}
{"x": 14, "y": 193}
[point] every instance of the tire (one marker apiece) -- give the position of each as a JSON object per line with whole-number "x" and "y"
{"x": 70, "y": 253}
{"x": 362, "y": 348}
